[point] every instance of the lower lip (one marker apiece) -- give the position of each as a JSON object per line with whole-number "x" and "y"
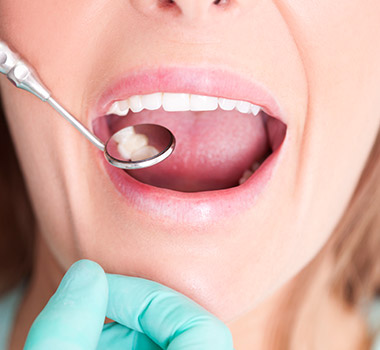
{"x": 197, "y": 207}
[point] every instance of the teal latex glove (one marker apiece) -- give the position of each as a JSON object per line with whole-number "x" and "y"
{"x": 148, "y": 315}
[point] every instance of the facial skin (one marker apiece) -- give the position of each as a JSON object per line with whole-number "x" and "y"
{"x": 320, "y": 61}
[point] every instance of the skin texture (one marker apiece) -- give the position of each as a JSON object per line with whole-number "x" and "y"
{"x": 320, "y": 61}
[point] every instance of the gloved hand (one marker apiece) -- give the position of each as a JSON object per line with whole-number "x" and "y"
{"x": 148, "y": 315}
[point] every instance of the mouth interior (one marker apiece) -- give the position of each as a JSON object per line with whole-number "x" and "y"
{"x": 214, "y": 150}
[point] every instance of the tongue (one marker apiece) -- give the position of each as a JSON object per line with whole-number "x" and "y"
{"x": 213, "y": 149}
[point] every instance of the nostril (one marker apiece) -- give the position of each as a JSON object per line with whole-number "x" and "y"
{"x": 166, "y": 3}
{"x": 221, "y": 2}
{"x": 216, "y": 2}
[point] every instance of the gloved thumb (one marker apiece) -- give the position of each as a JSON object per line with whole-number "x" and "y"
{"x": 74, "y": 316}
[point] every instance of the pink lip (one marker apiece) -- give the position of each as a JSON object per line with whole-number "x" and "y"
{"x": 197, "y": 207}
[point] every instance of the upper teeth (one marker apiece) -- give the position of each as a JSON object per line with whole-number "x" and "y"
{"x": 179, "y": 102}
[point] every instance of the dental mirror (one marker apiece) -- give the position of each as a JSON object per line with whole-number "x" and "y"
{"x": 134, "y": 147}
{"x": 139, "y": 146}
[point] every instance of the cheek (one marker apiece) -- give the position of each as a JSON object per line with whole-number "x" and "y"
{"x": 51, "y": 35}
{"x": 40, "y": 20}
{"x": 46, "y": 22}
{"x": 33, "y": 128}
{"x": 343, "y": 73}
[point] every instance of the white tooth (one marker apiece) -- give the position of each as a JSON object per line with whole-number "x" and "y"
{"x": 144, "y": 153}
{"x": 172, "y": 102}
{"x": 123, "y": 152}
{"x": 122, "y": 134}
{"x": 245, "y": 176}
{"x": 203, "y": 103}
{"x": 118, "y": 108}
{"x": 112, "y": 109}
{"x": 243, "y": 106}
{"x": 255, "y": 166}
{"x": 124, "y": 106}
{"x": 152, "y": 101}
{"x": 135, "y": 103}
{"x": 226, "y": 104}
{"x": 131, "y": 144}
{"x": 255, "y": 109}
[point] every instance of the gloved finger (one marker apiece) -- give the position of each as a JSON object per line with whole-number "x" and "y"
{"x": 118, "y": 337}
{"x": 169, "y": 318}
{"x": 74, "y": 316}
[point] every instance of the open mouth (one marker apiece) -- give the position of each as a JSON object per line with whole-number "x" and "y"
{"x": 231, "y": 137}
{"x": 221, "y": 142}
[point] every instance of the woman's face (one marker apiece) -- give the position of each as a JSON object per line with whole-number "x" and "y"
{"x": 228, "y": 247}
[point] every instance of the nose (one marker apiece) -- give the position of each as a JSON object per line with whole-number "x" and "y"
{"x": 190, "y": 10}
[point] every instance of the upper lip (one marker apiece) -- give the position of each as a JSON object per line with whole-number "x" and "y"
{"x": 201, "y": 81}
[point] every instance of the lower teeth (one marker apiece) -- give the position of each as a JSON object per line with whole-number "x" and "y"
{"x": 249, "y": 172}
{"x": 134, "y": 147}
